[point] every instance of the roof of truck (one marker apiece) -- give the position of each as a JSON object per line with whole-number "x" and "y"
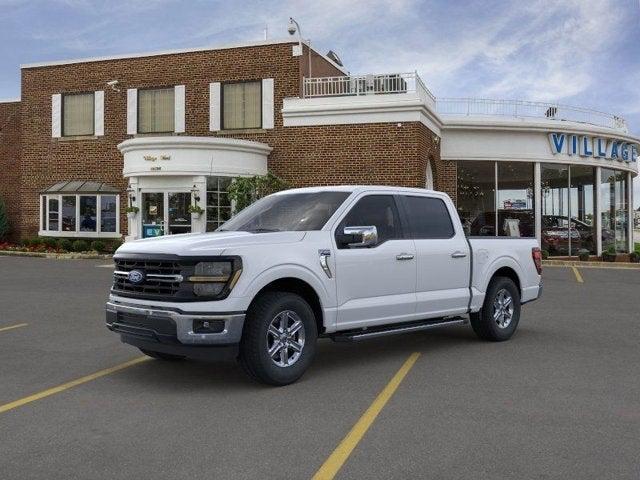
{"x": 359, "y": 188}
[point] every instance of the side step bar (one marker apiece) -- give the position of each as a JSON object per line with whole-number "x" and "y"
{"x": 382, "y": 331}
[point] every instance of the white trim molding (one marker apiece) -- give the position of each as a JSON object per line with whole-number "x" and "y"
{"x": 132, "y": 111}
{"x": 98, "y": 113}
{"x": 215, "y": 110}
{"x": 268, "y": 107}
{"x": 179, "y": 109}
{"x": 184, "y": 155}
{"x": 56, "y": 115}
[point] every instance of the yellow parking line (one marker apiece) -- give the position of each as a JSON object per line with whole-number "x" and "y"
{"x": 66, "y": 386}
{"x": 4, "y": 329}
{"x": 577, "y": 274}
{"x": 332, "y": 465}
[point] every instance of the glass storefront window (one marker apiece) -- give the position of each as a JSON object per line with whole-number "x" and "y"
{"x": 53, "y": 223}
{"x": 582, "y": 208}
{"x": 88, "y": 214}
{"x": 218, "y": 203}
{"x": 555, "y": 230}
{"x": 69, "y": 213}
{"x": 516, "y": 217}
{"x": 613, "y": 206}
{"x": 179, "y": 216}
{"x": 108, "y": 213}
{"x": 476, "y": 197}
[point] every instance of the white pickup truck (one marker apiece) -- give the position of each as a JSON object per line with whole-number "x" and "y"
{"x": 347, "y": 263}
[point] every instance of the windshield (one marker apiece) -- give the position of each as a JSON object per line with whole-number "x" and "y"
{"x": 288, "y": 212}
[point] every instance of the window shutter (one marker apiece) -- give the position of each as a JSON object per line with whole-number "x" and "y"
{"x": 98, "y": 112}
{"x": 56, "y": 115}
{"x": 267, "y": 103}
{"x": 132, "y": 111}
{"x": 179, "y": 99}
{"x": 215, "y": 112}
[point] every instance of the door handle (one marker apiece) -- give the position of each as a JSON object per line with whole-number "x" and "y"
{"x": 404, "y": 256}
{"x": 458, "y": 254}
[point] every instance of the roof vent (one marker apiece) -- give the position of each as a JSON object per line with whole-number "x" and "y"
{"x": 334, "y": 57}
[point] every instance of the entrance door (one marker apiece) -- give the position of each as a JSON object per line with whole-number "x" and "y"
{"x": 152, "y": 214}
{"x": 179, "y": 220}
{"x": 165, "y": 213}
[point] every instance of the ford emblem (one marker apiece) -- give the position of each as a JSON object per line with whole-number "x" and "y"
{"x": 136, "y": 277}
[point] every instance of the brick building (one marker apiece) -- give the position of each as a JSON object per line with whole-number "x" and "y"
{"x": 162, "y": 131}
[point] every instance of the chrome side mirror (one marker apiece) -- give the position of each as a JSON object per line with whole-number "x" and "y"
{"x": 359, "y": 237}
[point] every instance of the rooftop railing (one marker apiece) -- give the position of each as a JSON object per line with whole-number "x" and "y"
{"x": 399, "y": 83}
{"x": 526, "y": 109}
{"x": 356, "y": 85}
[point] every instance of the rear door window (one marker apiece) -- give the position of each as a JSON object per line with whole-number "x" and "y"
{"x": 428, "y": 217}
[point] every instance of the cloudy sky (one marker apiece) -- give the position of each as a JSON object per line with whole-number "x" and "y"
{"x": 582, "y": 52}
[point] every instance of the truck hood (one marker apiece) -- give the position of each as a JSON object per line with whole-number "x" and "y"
{"x": 213, "y": 243}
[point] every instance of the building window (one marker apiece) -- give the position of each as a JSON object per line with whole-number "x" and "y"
{"x": 78, "y": 215}
{"x": 156, "y": 110}
{"x": 78, "y": 114}
{"x": 582, "y": 197}
{"x": 476, "y": 199}
{"x": 516, "y": 216}
{"x": 218, "y": 203}
{"x": 615, "y": 217}
{"x": 242, "y": 105}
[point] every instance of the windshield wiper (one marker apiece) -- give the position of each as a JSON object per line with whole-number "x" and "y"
{"x": 263, "y": 230}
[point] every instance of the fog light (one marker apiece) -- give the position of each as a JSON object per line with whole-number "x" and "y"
{"x": 208, "y": 326}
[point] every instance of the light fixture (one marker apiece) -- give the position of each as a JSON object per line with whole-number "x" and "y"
{"x": 196, "y": 193}
{"x": 131, "y": 192}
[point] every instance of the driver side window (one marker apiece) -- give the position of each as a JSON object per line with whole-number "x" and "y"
{"x": 375, "y": 210}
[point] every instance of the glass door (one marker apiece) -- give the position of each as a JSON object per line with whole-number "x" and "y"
{"x": 179, "y": 220}
{"x": 153, "y": 221}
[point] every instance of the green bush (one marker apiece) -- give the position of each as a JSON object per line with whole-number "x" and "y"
{"x": 114, "y": 245}
{"x": 545, "y": 254}
{"x": 97, "y": 245}
{"x": 80, "y": 246}
{"x": 35, "y": 241}
{"x": 49, "y": 242}
{"x": 4, "y": 221}
{"x": 25, "y": 242}
{"x": 65, "y": 244}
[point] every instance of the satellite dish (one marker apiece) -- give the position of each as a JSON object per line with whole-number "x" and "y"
{"x": 334, "y": 56}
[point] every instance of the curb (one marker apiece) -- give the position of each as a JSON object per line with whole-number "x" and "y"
{"x": 58, "y": 256}
{"x": 602, "y": 265}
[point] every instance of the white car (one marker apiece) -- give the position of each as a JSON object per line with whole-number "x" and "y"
{"x": 346, "y": 263}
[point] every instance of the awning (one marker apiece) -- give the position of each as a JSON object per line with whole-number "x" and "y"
{"x": 81, "y": 186}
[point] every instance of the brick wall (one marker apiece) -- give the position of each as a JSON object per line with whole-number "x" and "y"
{"x": 9, "y": 160}
{"x": 340, "y": 154}
{"x": 444, "y": 172}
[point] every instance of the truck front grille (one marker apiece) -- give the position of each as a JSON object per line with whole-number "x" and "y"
{"x": 163, "y": 277}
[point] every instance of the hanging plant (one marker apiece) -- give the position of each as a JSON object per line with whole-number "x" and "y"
{"x": 195, "y": 209}
{"x": 243, "y": 191}
{"x": 132, "y": 209}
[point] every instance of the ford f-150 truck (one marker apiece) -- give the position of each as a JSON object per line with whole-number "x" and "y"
{"x": 346, "y": 263}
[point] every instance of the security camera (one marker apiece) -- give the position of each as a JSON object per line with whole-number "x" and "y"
{"x": 112, "y": 84}
{"x": 292, "y": 27}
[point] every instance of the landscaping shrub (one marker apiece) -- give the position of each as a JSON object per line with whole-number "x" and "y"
{"x": 49, "y": 242}
{"x": 114, "y": 245}
{"x": 35, "y": 241}
{"x": 4, "y": 221}
{"x": 65, "y": 244}
{"x": 25, "y": 242}
{"x": 97, "y": 245}
{"x": 80, "y": 246}
{"x": 545, "y": 254}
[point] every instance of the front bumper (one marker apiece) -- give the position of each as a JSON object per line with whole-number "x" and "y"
{"x": 172, "y": 326}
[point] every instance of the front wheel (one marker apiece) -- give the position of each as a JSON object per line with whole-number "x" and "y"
{"x": 500, "y": 314}
{"x": 279, "y": 338}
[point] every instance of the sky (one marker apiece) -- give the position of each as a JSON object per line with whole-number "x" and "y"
{"x": 577, "y": 52}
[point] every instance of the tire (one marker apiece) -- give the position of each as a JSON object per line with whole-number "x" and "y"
{"x": 268, "y": 320}
{"x": 485, "y": 324}
{"x": 162, "y": 356}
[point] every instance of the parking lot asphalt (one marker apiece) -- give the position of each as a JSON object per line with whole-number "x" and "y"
{"x": 561, "y": 399}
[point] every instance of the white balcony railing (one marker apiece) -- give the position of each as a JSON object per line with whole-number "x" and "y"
{"x": 356, "y": 85}
{"x": 526, "y": 109}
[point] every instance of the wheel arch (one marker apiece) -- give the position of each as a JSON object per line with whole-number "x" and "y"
{"x": 299, "y": 287}
{"x": 508, "y": 272}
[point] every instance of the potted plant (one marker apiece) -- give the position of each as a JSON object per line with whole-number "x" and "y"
{"x": 132, "y": 211}
{"x": 195, "y": 211}
{"x": 583, "y": 254}
{"x": 610, "y": 254}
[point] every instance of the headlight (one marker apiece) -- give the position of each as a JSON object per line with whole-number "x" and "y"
{"x": 210, "y": 279}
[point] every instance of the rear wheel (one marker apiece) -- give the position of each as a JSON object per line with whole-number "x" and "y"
{"x": 279, "y": 338}
{"x": 500, "y": 314}
{"x": 161, "y": 356}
